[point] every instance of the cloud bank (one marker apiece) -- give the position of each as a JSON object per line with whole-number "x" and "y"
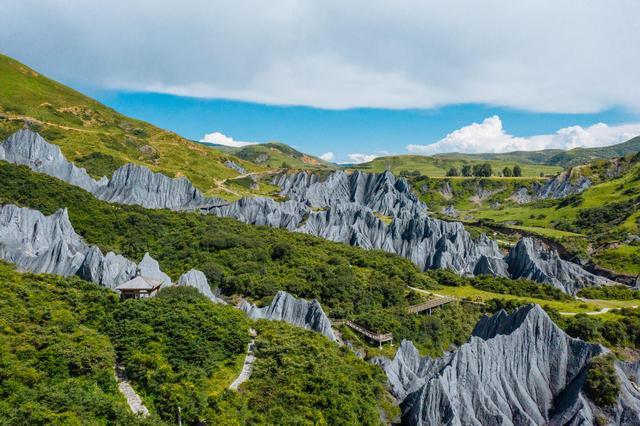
{"x": 490, "y": 137}
{"x": 217, "y": 138}
{"x": 538, "y": 56}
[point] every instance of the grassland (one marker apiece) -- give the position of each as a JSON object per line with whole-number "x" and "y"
{"x": 437, "y": 166}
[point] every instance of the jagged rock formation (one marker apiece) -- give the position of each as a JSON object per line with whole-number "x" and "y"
{"x": 137, "y": 185}
{"x": 450, "y": 211}
{"x": 39, "y": 243}
{"x": 563, "y": 185}
{"x": 130, "y": 184}
{"x": 379, "y": 192}
{"x": 264, "y": 211}
{"x": 342, "y": 208}
{"x": 521, "y": 196}
{"x": 49, "y": 244}
{"x": 446, "y": 191}
{"x": 150, "y": 268}
{"x": 198, "y": 280}
{"x": 515, "y": 369}
{"x": 534, "y": 260}
{"x": 233, "y": 166}
{"x": 28, "y": 148}
{"x": 299, "y": 312}
{"x": 109, "y": 270}
{"x": 408, "y": 371}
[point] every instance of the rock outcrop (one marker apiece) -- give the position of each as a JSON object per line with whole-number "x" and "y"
{"x": 38, "y": 243}
{"x": 299, "y": 312}
{"x": 137, "y": 185}
{"x": 28, "y": 148}
{"x": 233, "y": 166}
{"x": 515, "y": 369}
{"x": 564, "y": 185}
{"x": 49, "y": 244}
{"x": 264, "y": 211}
{"x": 534, "y": 260}
{"x": 150, "y": 268}
{"x": 382, "y": 192}
{"x": 198, "y": 280}
{"x": 109, "y": 270}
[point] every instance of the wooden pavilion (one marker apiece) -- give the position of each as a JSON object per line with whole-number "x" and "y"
{"x": 138, "y": 288}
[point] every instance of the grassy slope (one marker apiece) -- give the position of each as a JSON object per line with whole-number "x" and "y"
{"x": 275, "y": 155}
{"x": 100, "y": 139}
{"x": 437, "y": 166}
{"x": 551, "y": 215}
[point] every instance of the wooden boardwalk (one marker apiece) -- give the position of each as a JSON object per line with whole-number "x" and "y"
{"x": 379, "y": 338}
{"x": 430, "y": 304}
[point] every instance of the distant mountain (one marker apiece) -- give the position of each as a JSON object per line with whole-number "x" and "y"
{"x": 100, "y": 139}
{"x": 276, "y": 155}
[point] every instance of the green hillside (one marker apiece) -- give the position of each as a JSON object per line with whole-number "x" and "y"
{"x": 554, "y": 157}
{"x": 437, "y": 166}
{"x": 60, "y": 339}
{"x": 100, "y": 139}
{"x": 277, "y": 155}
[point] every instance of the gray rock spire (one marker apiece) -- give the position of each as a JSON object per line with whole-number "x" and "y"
{"x": 299, "y": 312}
{"x": 198, "y": 280}
{"x": 515, "y": 369}
{"x": 28, "y": 148}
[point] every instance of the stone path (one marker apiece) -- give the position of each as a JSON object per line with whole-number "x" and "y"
{"x": 133, "y": 399}
{"x": 248, "y": 363}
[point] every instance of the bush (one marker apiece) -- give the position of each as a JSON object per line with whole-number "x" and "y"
{"x": 602, "y": 385}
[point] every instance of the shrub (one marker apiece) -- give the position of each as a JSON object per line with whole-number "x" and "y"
{"x": 602, "y": 385}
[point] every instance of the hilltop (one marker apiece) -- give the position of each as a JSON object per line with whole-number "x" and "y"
{"x": 276, "y": 155}
{"x": 100, "y": 139}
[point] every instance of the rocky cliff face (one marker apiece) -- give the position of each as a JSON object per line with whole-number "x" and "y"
{"x": 299, "y": 312}
{"x": 515, "y": 369}
{"x": 564, "y": 185}
{"x": 137, "y": 185}
{"x": 28, "y": 148}
{"x": 198, "y": 280}
{"x": 534, "y": 260}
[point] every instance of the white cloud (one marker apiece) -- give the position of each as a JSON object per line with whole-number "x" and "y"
{"x": 327, "y": 156}
{"x": 217, "y": 138}
{"x": 490, "y": 137}
{"x": 357, "y": 158}
{"x": 540, "y": 56}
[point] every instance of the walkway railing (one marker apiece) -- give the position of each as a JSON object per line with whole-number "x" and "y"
{"x": 430, "y": 304}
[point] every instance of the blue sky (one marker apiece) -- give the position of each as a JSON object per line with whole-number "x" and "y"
{"x": 317, "y": 131}
{"x": 371, "y": 76}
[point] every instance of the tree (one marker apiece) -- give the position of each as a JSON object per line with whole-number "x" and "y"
{"x": 517, "y": 171}
{"x": 453, "y": 172}
{"x": 466, "y": 170}
{"x": 482, "y": 170}
{"x": 506, "y": 172}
